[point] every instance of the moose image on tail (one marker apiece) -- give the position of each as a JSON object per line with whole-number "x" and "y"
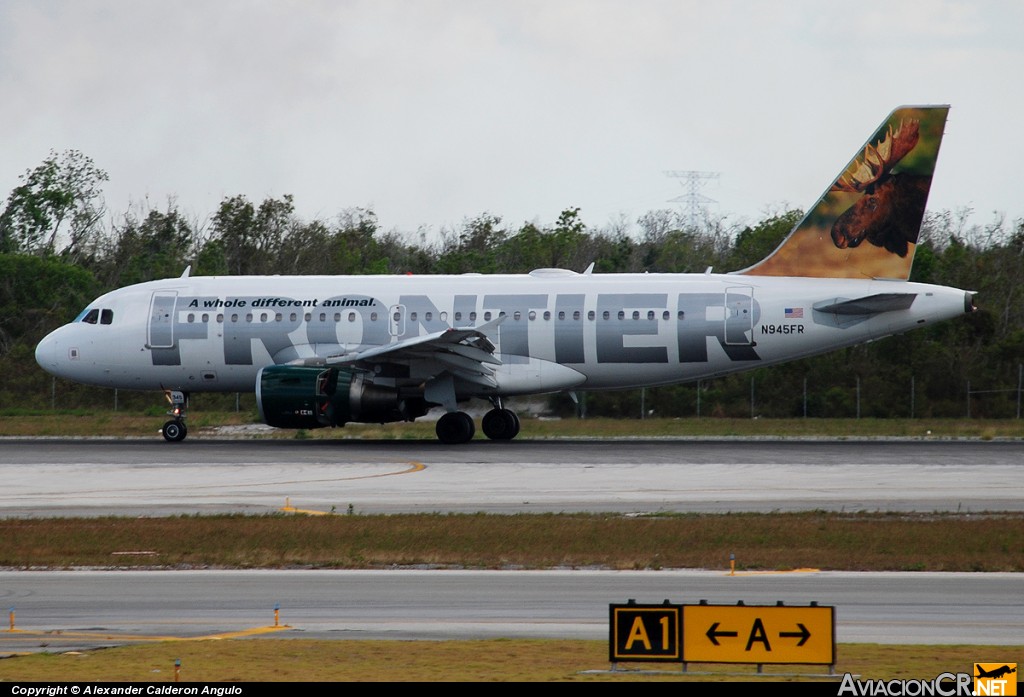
{"x": 889, "y": 214}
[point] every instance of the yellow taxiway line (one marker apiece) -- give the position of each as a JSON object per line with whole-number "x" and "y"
{"x": 61, "y": 634}
{"x": 766, "y": 573}
{"x": 413, "y": 467}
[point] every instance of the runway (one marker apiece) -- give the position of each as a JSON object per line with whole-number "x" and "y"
{"x": 150, "y": 477}
{"x": 60, "y": 610}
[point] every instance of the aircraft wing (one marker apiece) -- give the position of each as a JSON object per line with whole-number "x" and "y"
{"x": 465, "y": 353}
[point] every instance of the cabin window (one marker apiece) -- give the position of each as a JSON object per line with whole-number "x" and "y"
{"x": 547, "y": 314}
{"x": 309, "y": 316}
{"x": 248, "y": 317}
{"x": 220, "y": 318}
{"x": 636, "y": 314}
{"x": 533, "y": 315}
{"x": 337, "y": 316}
{"x": 278, "y": 317}
{"x": 234, "y": 318}
{"x": 351, "y": 317}
{"x": 458, "y": 316}
{"x": 605, "y": 315}
{"x": 263, "y": 317}
{"x": 561, "y": 315}
{"x": 373, "y": 316}
{"x": 323, "y": 316}
{"x": 428, "y": 316}
{"x": 472, "y": 316}
{"x": 206, "y": 318}
{"x": 517, "y": 315}
{"x": 191, "y": 318}
{"x": 106, "y": 316}
{"x": 622, "y": 314}
{"x": 681, "y": 315}
{"x": 591, "y": 315}
{"x": 443, "y": 316}
{"x": 412, "y": 316}
{"x": 487, "y": 316}
{"x": 576, "y": 315}
{"x": 665, "y": 315}
{"x": 650, "y": 314}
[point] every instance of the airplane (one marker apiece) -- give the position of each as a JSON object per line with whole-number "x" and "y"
{"x": 323, "y": 351}
{"x": 995, "y": 673}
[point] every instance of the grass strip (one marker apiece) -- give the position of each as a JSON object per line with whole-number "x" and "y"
{"x": 267, "y": 660}
{"x": 818, "y": 539}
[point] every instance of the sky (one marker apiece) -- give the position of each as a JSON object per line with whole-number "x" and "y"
{"x": 431, "y": 112}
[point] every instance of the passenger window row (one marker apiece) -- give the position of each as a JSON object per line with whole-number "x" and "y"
{"x": 532, "y": 315}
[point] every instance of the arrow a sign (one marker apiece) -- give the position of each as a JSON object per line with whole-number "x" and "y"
{"x": 758, "y": 634}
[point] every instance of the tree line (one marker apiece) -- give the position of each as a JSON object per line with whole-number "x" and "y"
{"x": 60, "y": 248}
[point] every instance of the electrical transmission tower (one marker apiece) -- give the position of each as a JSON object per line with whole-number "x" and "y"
{"x": 694, "y": 201}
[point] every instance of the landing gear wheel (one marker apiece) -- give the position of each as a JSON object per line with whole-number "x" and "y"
{"x": 455, "y": 427}
{"x": 175, "y": 431}
{"x": 500, "y": 424}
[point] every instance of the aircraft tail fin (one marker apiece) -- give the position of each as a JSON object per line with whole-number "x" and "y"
{"x": 866, "y": 223}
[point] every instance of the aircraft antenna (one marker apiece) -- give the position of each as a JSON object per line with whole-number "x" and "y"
{"x": 695, "y": 202}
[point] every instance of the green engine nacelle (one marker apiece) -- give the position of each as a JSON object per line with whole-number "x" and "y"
{"x": 299, "y": 397}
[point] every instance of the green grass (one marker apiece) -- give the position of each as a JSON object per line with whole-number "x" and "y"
{"x": 834, "y": 541}
{"x": 266, "y": 660}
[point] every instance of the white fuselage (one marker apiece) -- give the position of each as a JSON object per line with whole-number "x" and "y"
{"x": 560, "y": 330}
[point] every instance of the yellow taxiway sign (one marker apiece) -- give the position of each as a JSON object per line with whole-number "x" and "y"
{"x": 759, "y": 634}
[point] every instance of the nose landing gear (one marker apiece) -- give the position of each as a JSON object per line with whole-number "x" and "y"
{"x": 175, "y": 430}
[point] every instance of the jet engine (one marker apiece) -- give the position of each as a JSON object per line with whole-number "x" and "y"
{"x": 302, "y": 397}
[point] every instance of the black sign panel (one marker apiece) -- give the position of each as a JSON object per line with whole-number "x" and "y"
{"x": 645, "y": 633}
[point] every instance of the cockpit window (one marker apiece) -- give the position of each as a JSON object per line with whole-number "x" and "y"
{"x": 96, "y": 316}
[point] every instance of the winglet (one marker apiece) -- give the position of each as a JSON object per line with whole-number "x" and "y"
{"x": 866, "y": 223}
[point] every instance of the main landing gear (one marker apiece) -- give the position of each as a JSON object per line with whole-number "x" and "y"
{"x": 457, "y": 427}
{"x": 500, "y": 424}
{"x": 175, "y": 429}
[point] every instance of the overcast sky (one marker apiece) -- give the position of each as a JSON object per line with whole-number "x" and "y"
{"x": 433, "y": 111}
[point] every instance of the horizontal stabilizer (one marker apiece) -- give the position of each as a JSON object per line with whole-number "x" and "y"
{"x": 870, "y": 305}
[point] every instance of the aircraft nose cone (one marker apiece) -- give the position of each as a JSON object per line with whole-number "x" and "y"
{"x": 46, "y": 353}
